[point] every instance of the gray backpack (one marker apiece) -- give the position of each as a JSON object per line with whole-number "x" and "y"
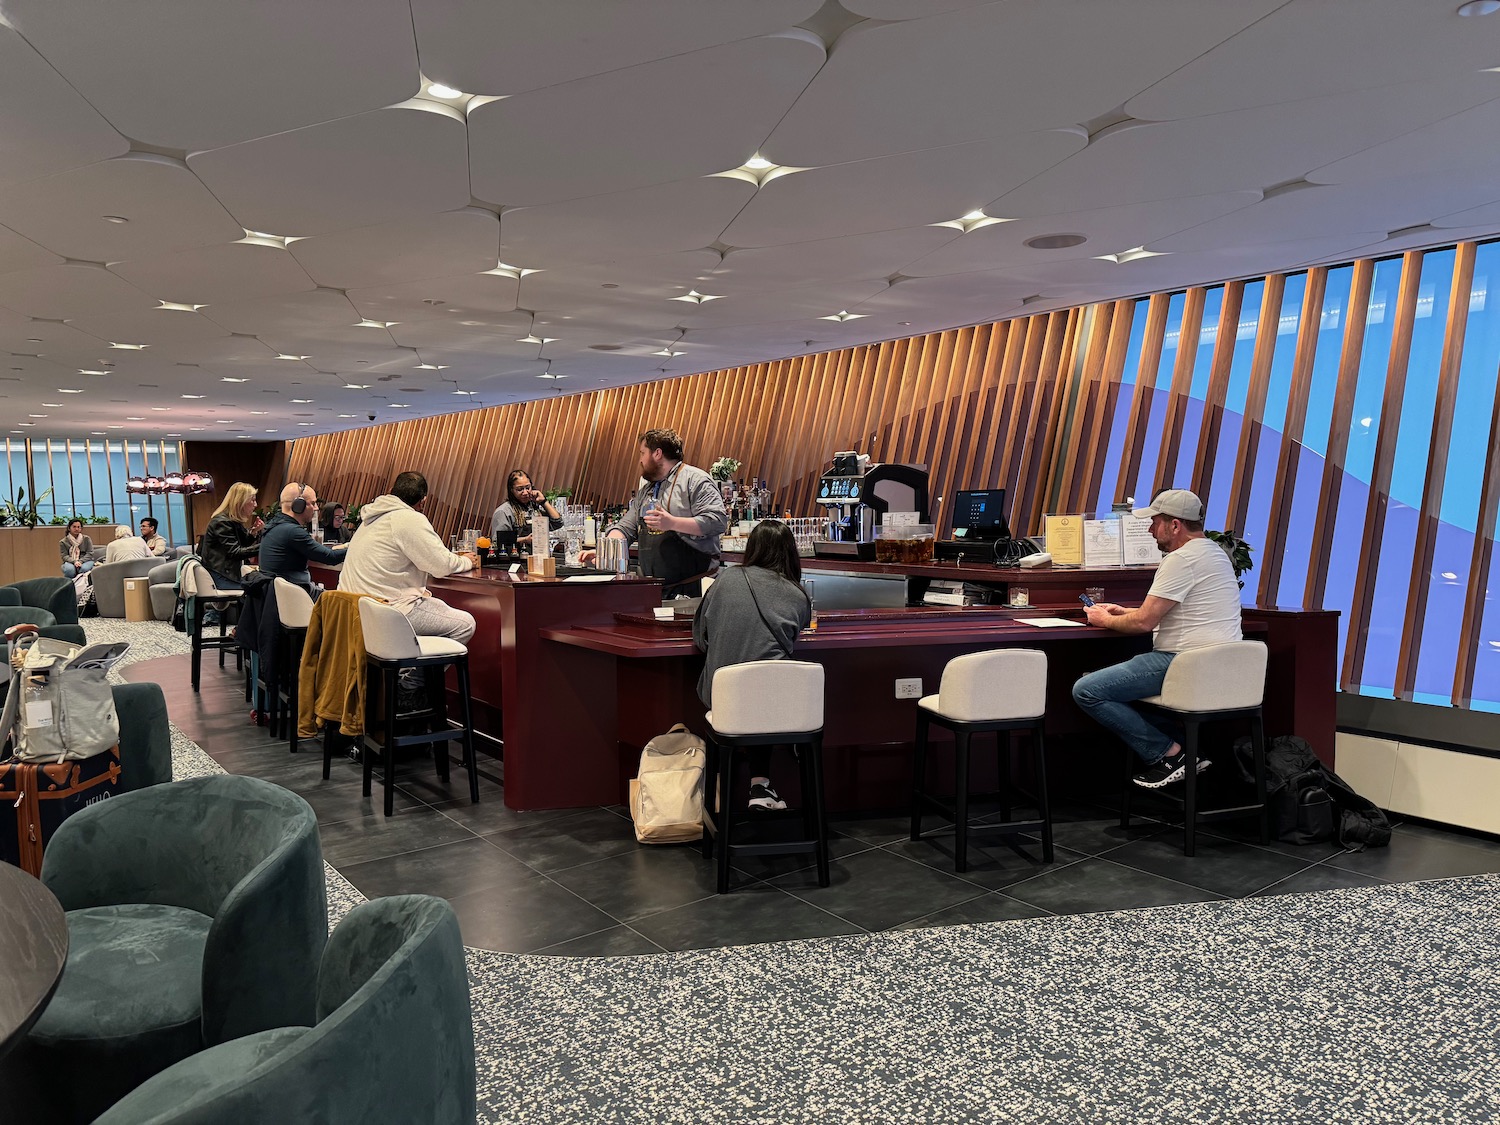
{"x": 60, "y": 707}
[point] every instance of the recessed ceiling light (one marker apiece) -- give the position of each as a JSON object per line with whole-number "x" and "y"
{"x": 447, "y": 93}
{"x": 173, "y": 306}
{"x": 174, "y": 435}
{"x": 758, "y": 171}
{"x": 272, "y": 241}
{"x": 668, "y": 352}
{"x": 398, "y": 406}
{"x": 377, "y": 323}
{"x": 100, "y": 433}
{"x": 134, "y": 418}
{"x": 36, "y": 415}
{"x": 533, "y": 338}
{"x": 225, "y": 421}
{"x": 1134, "y": 254}
{"x": 244, "y": 435}
{"x": 195, "y": 427}
{"x": 161, "y": 408}
{"x": 843, "y": 315}
{"x": 513, "y": 272}
{"x": 270, "y": 431}
{"x": 1055, "y": 241}
{"x": 1479, "y": 8}
{"x": 303, "y": 401}
{"x": 972, "y": 221}
{"x": 260, "y": 412}
{"x": 70, "y": 390}
{"x": 305, "y": 423}
{"x": 348, "y": 415}
{"x": 116, "y": 219}
{"x": 130, "y": 347}
{"x": 293, "y": 357}
{"x": 356, "y": 386}
{"x": 85, "y": 371}
{"x": 51, "y": 404}
{"x": 466, "y": 392}
{"x": 24, "y": 424}
{"x": 114, "y": 427}
{"x": 192, "y": 396}
{"x": 431, "y": 367}
{"x": 696, "y": 297}
{"x": 549, "y": 375}
{"x": 231, "y": 379}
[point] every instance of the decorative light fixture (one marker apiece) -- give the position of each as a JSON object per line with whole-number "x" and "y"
{"x": 293, "y": 357}
{"x": 70, "y": 390}
{"x": 972, "y": 221}
{"x": 356, "y": 386}
{"x": 116, "y": 219}
{"x": 758, "y": 171}
{"x": 367, "y": 323}
{"x": 172, "y": 482}
{"x": 446, "y": 93}
{"x": 515, "y": 273}
{"x": 271, "y": 241}
{"x": 173, "y": 306}
{"x": 844, "y": 314}
{"x": 85, "y": 371}
{"x": 431, "y": 367}
{"x": 136, "y": 486}
{"x": 231, "y": 379}
{"x": 1133, "y": 255}
{"x": 668, "y": 349}
{"x": 697, "y": 298}
{"x": 130, "y": 347}
{"x": 532, "y": 338}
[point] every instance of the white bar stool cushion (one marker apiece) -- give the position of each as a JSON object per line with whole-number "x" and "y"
{"x": 1223, "y": 677}
{"x": 992, "y": 687}
{"x": 389, "y": 635}
{"x": 198, "y": 583}
{"x": 768, "y": 697}
{"x": 441, "y": 646}
{"x": 294, "y": 605}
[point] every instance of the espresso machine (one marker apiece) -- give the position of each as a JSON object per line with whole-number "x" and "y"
{"x": 857, "y": 494}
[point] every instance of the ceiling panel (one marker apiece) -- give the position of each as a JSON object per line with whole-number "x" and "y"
{"x": 318, "y": 309}
{"x": 1003, "y": 68}
{"x": 1312, "y": 48}
{"x": 907, "y": 9}
{"x": 801, "y": 304}
{"x": 64, "y": 291}
{"x": 45, "y": 125}
{"x": 1389, "y": 204}
{"x": 444, "y": 245}
{"x": 685, "y": 215}
{"x": 919, "y": 304}
{"x": 146, "y": 325}
{"x": 1447, "y": 145}
{"x": 455, "y": 299}
{"x": 932, "y": 186}
{"x": 691, "y": 115}
{"x": 19, "y": 253}
{"x": 164, "y": 205}
{"x": 190, "y": 76}
{"x": 1108, "y": 231}
{"x": 1254, "y": 148}
{"x": 359, "y": 171}
{"x": 830, "y": 259}
{"x": 211, "y": 275}
{"x": 487, "y": 48}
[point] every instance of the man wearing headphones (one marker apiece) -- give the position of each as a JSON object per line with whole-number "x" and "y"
{"x": 286, "y": 547}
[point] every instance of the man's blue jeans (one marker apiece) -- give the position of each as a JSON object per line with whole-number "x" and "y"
{"x": 1106, "y": 695}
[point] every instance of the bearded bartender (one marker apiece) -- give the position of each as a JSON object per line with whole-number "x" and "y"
{"x": 675, "y": 519}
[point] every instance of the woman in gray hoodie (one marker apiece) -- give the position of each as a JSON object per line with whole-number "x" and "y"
{"x": 754, "y": 612}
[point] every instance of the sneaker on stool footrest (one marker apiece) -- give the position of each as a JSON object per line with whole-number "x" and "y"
{"x": 764, "y": 797}
{"x": 1166, "y": 771}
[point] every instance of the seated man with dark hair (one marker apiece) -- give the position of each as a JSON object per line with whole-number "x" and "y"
{"x": 154, "y": 542}
{"x": 393, "y": 553}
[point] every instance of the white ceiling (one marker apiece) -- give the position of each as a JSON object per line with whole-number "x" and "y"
{"x": 1233, "y": 138}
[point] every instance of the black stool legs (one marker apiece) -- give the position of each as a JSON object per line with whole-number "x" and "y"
{"x": 719, "y": 821}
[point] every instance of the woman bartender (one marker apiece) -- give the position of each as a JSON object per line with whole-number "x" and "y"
{"x": 521, "y": 501}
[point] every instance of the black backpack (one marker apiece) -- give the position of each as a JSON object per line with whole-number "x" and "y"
{"x": 1309, "y": 802}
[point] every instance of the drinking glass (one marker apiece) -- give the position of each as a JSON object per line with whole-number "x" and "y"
{"x": 1020, "y": 597}
{"x": 811, "y": 587}
{"x": 573, "y": 546}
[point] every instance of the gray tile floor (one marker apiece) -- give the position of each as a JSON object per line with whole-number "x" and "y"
{"x": 575, "y": 882}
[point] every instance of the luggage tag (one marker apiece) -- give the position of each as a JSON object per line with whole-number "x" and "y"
{"x": 38, "y": 714}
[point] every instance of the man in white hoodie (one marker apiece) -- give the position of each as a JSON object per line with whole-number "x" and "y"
{"x": 394, "y": 551}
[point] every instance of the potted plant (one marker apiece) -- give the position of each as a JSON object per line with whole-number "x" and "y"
{"x": 22, "y": 514}
{"x": 1237, "y": 550}
{"x": 724, "y": 469}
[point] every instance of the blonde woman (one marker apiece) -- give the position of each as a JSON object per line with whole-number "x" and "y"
{"x": 231, "y": 537}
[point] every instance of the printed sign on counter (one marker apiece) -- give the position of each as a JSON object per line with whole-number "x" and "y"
{"x": 1065, "y": 540}
{"x": 1101, "y": 543}
{"x": 1139, "y": 548}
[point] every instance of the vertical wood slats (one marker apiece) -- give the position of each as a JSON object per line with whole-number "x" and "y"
{"x": 1437, "y": 472}
{"x": 1476, "y": 593}
{"x": 1367, "y": 571}
{"x": 1309, "y": 324}
{"x": 1182, "y": 382}
{"x": 1225, "y": 339}
{"x": 1248, "y": 452}
{"x": 1338, "y": 434}
{"x": 1145, "y": 393}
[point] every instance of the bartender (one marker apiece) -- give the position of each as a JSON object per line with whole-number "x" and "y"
{"x": 521, "y": 501}
{"x": 675, "y": 519}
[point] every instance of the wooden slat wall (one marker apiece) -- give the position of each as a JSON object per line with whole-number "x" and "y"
{"x": 1026, "y": 404}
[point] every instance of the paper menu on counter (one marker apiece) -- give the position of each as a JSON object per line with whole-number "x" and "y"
{"x": 1065, "y": 540}
{"x": 1139, "y": 549}
{"x": 1050, "y": 622}
{"x": 1102, "y": 543}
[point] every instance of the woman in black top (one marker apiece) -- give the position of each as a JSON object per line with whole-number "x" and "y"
{"x": 331, "y": 520}
{"x": 230, "y": 538}
{"x": 754, "y": 612}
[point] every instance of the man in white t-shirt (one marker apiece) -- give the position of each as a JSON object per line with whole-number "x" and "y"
{"x": 1194, "y": 601}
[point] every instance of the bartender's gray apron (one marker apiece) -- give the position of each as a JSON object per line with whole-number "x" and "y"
{"x": 663, "y": 554}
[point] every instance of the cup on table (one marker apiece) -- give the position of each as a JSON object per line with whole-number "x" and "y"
{"x": 573, "y": 546}
{"x": 1020, "y": 597}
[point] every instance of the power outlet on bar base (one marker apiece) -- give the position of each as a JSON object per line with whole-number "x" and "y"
{"x": 909, "y": 689}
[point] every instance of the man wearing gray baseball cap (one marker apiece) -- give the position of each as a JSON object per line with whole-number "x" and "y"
{"x": 1194, "y": 601}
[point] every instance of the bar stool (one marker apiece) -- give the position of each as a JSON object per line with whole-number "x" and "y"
{"x": 1000, "y": 691}
{"x": 199, "y": 589}
{"x": 1209, "y": 685}
{"x": 765, "y": 703}
{"x": 390, "y": 646}
{"x": 294, "y": 607}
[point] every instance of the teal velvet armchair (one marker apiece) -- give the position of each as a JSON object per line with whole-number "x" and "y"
{"x": 56, "y": 594}
{"x": 394, "y": 1041}
{"x": 197, "y": 913}
{"x": 43, "y": 619}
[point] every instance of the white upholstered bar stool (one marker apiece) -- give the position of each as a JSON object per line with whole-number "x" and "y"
{"x": 390, "y": 646}
{"x": 765, "y": 703}
{"x": 294, "y": 607}
{"x": 200, "y": 592}
{"x": 1001, "y": 692}
{"x": 1208, "y": 685}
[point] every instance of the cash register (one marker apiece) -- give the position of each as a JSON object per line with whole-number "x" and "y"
{"x": 978, "y": 524}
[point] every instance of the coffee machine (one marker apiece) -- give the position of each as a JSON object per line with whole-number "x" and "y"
{"x": 857, "y": 494}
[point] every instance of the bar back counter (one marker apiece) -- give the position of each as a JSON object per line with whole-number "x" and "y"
{"x": 574, "y": 677}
